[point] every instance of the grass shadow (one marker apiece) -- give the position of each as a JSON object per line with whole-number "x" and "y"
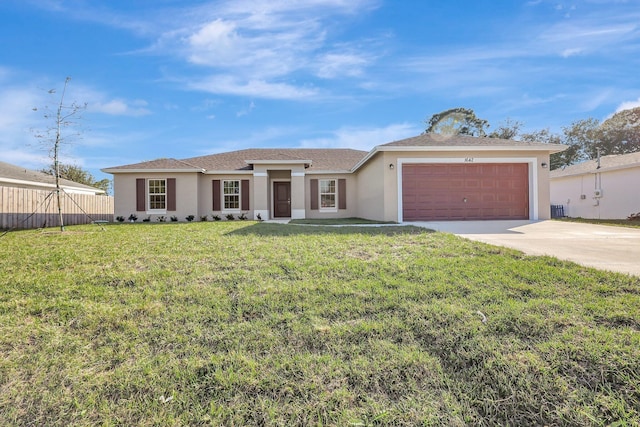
{"x": 270, "y": 229}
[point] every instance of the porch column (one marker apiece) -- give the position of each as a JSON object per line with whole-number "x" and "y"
{"x": 297, "y": 195}
{"x": 260, "y": 195}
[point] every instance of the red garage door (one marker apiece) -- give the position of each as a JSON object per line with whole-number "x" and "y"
{"x": 465, "y": 191}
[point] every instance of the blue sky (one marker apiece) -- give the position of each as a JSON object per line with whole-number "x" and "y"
{"x": 183, "y": 78}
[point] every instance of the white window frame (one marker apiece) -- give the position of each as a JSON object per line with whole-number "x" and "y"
{"x": 333, "y": 208}
{"x": 151, "y": 210}
{"x": 238, "y": 194}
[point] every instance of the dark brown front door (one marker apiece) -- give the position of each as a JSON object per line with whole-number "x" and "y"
{"x": 282, "y": 199}
{"x": 465, "y": 191}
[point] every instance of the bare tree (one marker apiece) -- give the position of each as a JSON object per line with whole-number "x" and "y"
{"x": 63, "y": 118}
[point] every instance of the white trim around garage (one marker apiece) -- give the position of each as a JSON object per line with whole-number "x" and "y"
{"x": 531, "y": 161}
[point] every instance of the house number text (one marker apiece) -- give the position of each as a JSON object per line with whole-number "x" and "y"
{"x": 468, "y": 159}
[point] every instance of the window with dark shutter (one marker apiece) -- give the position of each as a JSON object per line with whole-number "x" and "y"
{"x": 314, "y": 194}
{"x": 342, "y": 194}
{"x": 244, "y": 194}
{"x": 171, "y": 194}
{"x": 140, "y": 194}
{"x": 216, "y": 195}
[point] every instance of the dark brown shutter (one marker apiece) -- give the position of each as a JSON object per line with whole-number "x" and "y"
{"x": 171, "y": 194}
{"x": 140, "y": 194}
{"x": 342, "y": 194}
{"x": 216, "y": 195}
{"x": 314, "y": 194}
{"x": 244, "y": 193}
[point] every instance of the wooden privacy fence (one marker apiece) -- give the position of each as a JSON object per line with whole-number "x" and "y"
{"x": 29, "y": 208}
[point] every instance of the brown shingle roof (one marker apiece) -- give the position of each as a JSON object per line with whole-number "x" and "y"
{"x": 323, "y": 159}
{"x": 438, "y": 140}
{"x": 330, "y": 159}
{"x": 334, "y": 159}
{"x": 161, "y": 164}
{"x": 611, "y": 162}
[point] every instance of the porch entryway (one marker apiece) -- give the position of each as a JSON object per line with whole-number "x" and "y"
{"x": 282, "y": 199}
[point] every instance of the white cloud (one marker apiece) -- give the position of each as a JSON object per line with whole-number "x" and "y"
{"x": 332, "y": 65}
{"x": 595, "y": 100}
{"x": 16, "y": 107}
{"x": 571, "y": 52}
{"x": 120, "y": 107}
{"x": 247, "y": 110}
{"x": 23, "y": 107}
{"x": 627, "y": 105}
{"x": 229, "y": 85}
{"x": 587, "y": 34}
{"x": 272, "y": 136}
{"x": 256, "y": 48}
{"x": 100, "y": 102}
{"x": 363, "y": 138}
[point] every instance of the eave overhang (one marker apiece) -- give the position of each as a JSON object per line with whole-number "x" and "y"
{"x": 549, "y": 148}
{"x": 142, "y": 170}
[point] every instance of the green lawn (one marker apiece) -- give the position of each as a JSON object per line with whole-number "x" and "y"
{"x": 243, "y": 323}
{"x": 615, "y": 222}
{"x": 339, "y": 221}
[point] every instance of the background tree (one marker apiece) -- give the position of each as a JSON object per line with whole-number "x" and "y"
{"x": 582, "y": 137}
{"x": 508, "y": 129}
{"x": 457, "y": 121}
{"x": 556, "y": 160}
{"x": 620, "y": 134}
{"x": 79, "y": 175}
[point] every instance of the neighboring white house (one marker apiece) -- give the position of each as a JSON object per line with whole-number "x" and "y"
{"x": 19, "y": 177}
{"x": 608, "y": 189}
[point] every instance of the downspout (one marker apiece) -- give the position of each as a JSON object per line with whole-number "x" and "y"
{"x": 598, "y": 181}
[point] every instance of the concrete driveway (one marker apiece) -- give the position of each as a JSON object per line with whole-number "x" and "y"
{"x": 600, "y": 246}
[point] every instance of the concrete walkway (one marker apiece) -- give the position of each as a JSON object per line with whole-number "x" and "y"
{"x": 600, "y": 246}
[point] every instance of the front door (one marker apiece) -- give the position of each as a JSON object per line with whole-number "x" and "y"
{"x": 282, "y": 199}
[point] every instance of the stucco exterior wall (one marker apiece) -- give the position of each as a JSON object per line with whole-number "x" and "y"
{"x": 352, "y": 197}
{"x": 205, "y": 194}
{"x": 371, "y": 189}
{"x": 380, "y": 186}
{"x": 124, "y": 189}
{"x": 619, "y": 196}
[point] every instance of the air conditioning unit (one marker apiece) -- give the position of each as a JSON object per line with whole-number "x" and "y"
{"x": 597, "y": 193}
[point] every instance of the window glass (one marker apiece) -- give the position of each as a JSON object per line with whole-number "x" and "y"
{"x": 157, "y": 194}
{"x": 327, "y": 193}
{"x": 231, "y": 194}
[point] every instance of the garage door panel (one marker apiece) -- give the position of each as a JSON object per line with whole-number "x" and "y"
{"x": 438, "y": 191}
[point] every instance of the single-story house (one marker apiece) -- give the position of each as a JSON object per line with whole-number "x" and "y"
{"x": 427, "y": 177}
{"x": 19, "y": 177}
{"x": 604, "y": 189}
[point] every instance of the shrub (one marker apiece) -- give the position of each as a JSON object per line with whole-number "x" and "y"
{"x": 242, "y": 216}
{"x": 190, "y": 218}
{"x": 204, "y": 218}
{"x": 634, "y": 217}
{"x": 174, "y": 218}
{"x": 161, "y": 218}
{"x": 230, "y": 217}
{"x": 120, "y": 218}
{"x": 216, "y": 217}
{"x": 259, "y": 217}
{"x": 133, "y": 217}
{"x": 147, "y": 219}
